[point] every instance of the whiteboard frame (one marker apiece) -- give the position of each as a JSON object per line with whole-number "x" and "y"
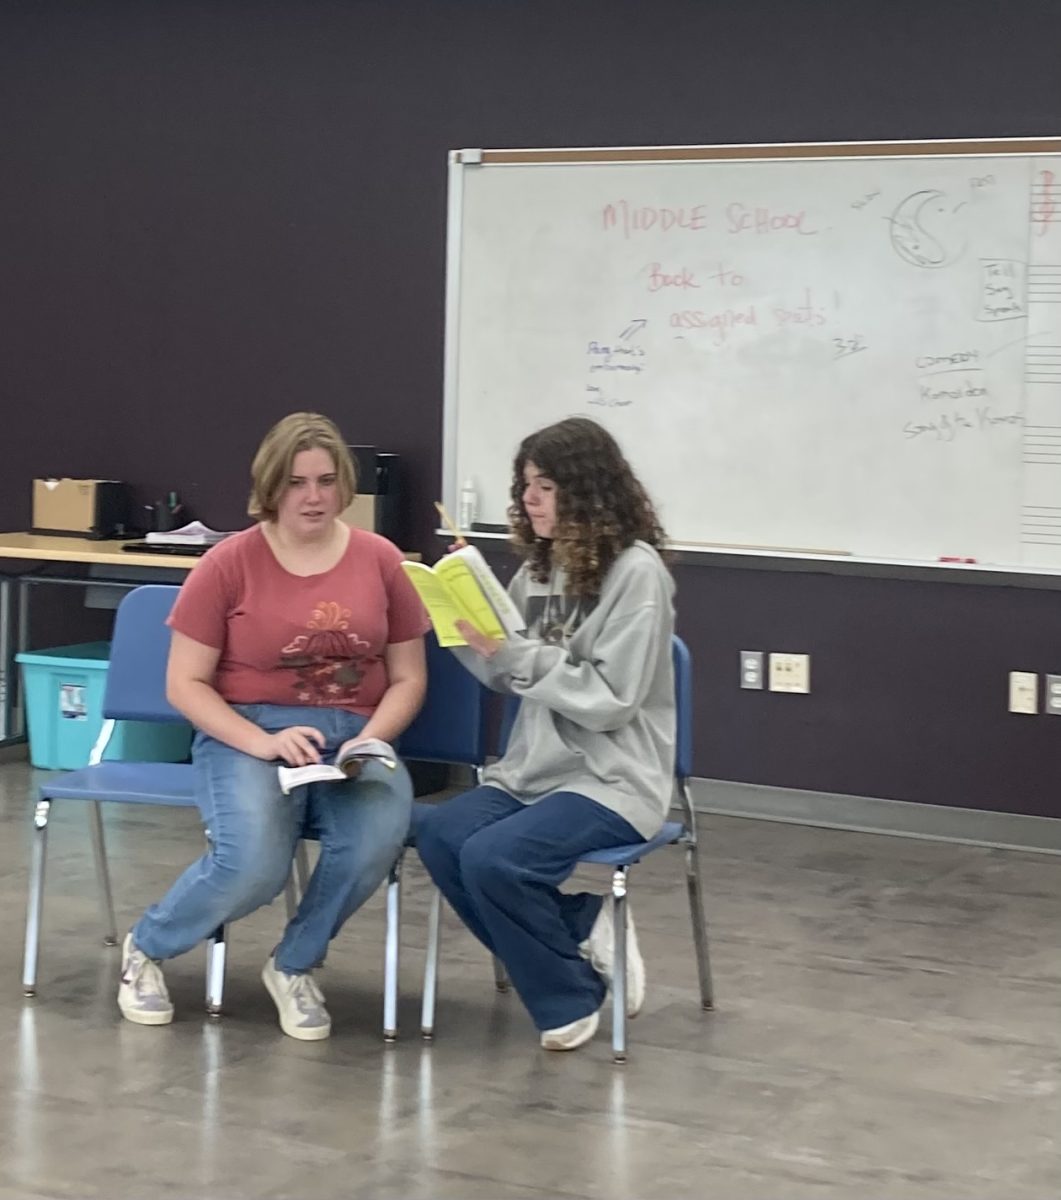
{"x": 924, "y": 569}
{"x": 472, "y": 158}
{"x": 760, "y": 152}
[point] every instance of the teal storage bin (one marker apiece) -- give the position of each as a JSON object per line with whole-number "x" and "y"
{"x": 63, "y": 688}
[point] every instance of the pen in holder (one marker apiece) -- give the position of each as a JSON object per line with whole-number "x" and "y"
{"x": 164, "y": 515}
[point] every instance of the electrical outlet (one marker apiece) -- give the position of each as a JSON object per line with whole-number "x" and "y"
{"x": 1052, "y": 698}
{"x": 751, "y": 669}
{"x": 790, "y": 673}
{"x": 1023, "y": 692}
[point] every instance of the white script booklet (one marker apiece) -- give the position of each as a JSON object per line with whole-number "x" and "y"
{"x": 342, "y": 768}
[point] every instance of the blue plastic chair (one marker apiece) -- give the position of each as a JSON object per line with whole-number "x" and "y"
{"x": 621, "y": 859}
{"x": 135, "y": 691}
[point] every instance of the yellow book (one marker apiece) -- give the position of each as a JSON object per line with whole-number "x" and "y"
{"x": 461, "y": 587}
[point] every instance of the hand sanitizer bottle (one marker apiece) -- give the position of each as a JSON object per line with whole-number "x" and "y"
{"x": 467, "y": 507}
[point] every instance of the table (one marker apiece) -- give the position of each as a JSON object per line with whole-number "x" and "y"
{"x": 63, "y": 556}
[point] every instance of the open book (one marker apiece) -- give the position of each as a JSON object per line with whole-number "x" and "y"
{"x": 342, "y": 768}
{"x": 461, "y": 587}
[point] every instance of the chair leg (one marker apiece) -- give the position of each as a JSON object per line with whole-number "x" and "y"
{"x": 619, "y": 958}
{"x": 35, "y": 901}
{"x": 103, "y": 875}
{"x": 696, "y": 911}
{"x": 427, "y": 1004}
{"x": 216, "y": 948}
{"x": 297, "y": 881}
{"x": 501, "y": 979}
{"x": 390, "y": 958}
{"x": 302, "y": 871}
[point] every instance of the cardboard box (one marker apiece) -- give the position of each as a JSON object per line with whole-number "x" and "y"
{"x": 361, "y": 514}
{"x": 377, "y": 506}
{"x": 92, "y": 508}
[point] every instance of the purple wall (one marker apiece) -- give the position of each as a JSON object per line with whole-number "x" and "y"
{"x": 213, "y": 213}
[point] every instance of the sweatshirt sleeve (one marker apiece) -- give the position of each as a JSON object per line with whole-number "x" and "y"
{"x": 605, "y": 689}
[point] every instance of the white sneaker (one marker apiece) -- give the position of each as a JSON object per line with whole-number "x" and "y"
{"x": 142, "y": 993}
{"x": 570, "y": 1037}
{"x": 299, "y": 1001}
{"x": 599, "y": 948}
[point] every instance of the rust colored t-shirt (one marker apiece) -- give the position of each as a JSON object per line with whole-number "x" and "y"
{"x": 300, "y": 640}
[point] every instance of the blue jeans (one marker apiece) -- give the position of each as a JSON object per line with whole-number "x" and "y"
{"x": 253, "y": 829}
{"x": 499, "y": 863}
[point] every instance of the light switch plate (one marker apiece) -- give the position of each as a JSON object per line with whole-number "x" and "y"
{"x": 1023, "y": 692}
{"x": 790, "y": 673}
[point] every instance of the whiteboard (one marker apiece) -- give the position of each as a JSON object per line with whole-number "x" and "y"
{"x": 848, "y": 349}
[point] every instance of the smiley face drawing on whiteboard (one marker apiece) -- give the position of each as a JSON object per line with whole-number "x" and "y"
{"x": 925, "y": 232}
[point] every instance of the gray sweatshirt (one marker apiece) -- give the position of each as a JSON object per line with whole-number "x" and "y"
{"x": 596, "y": 685}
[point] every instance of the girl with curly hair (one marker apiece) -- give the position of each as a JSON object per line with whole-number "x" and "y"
{"x": 590, "y": 760}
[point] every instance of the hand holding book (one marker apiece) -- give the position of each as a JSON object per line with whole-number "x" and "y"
{"x": 461, "y": 587}
{"x": 347, "y": 764}
{"x": 485, "y": 647}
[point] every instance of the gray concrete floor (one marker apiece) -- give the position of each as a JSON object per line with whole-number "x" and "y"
{"x": 887, "y": 1027}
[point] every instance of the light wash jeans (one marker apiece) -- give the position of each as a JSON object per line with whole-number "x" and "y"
{"x": 253, "y": 829}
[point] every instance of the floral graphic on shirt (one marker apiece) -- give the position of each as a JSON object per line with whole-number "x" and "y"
{"x": 328, "y": 661}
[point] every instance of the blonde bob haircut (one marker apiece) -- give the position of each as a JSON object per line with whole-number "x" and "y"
{"x": 271, "y": 469}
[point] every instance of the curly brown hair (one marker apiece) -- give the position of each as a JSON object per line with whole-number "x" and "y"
{"x": 601, "y": 506}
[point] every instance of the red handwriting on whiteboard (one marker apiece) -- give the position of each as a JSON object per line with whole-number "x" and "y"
{"x": 807, "y": 313}
{"x": 722, "y": 323}
{"x": 741, "y": 219}
{"x": 683, "y": 278}
{"x": 659, "y": 279}
{"x": 628, "y": 220}
{"x": 727, "y": 277}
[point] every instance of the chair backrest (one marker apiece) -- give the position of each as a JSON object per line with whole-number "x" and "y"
{"x": 450, "y": 726}
{"x": 136, "y": 677}
{"x": 683, "y": 703}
